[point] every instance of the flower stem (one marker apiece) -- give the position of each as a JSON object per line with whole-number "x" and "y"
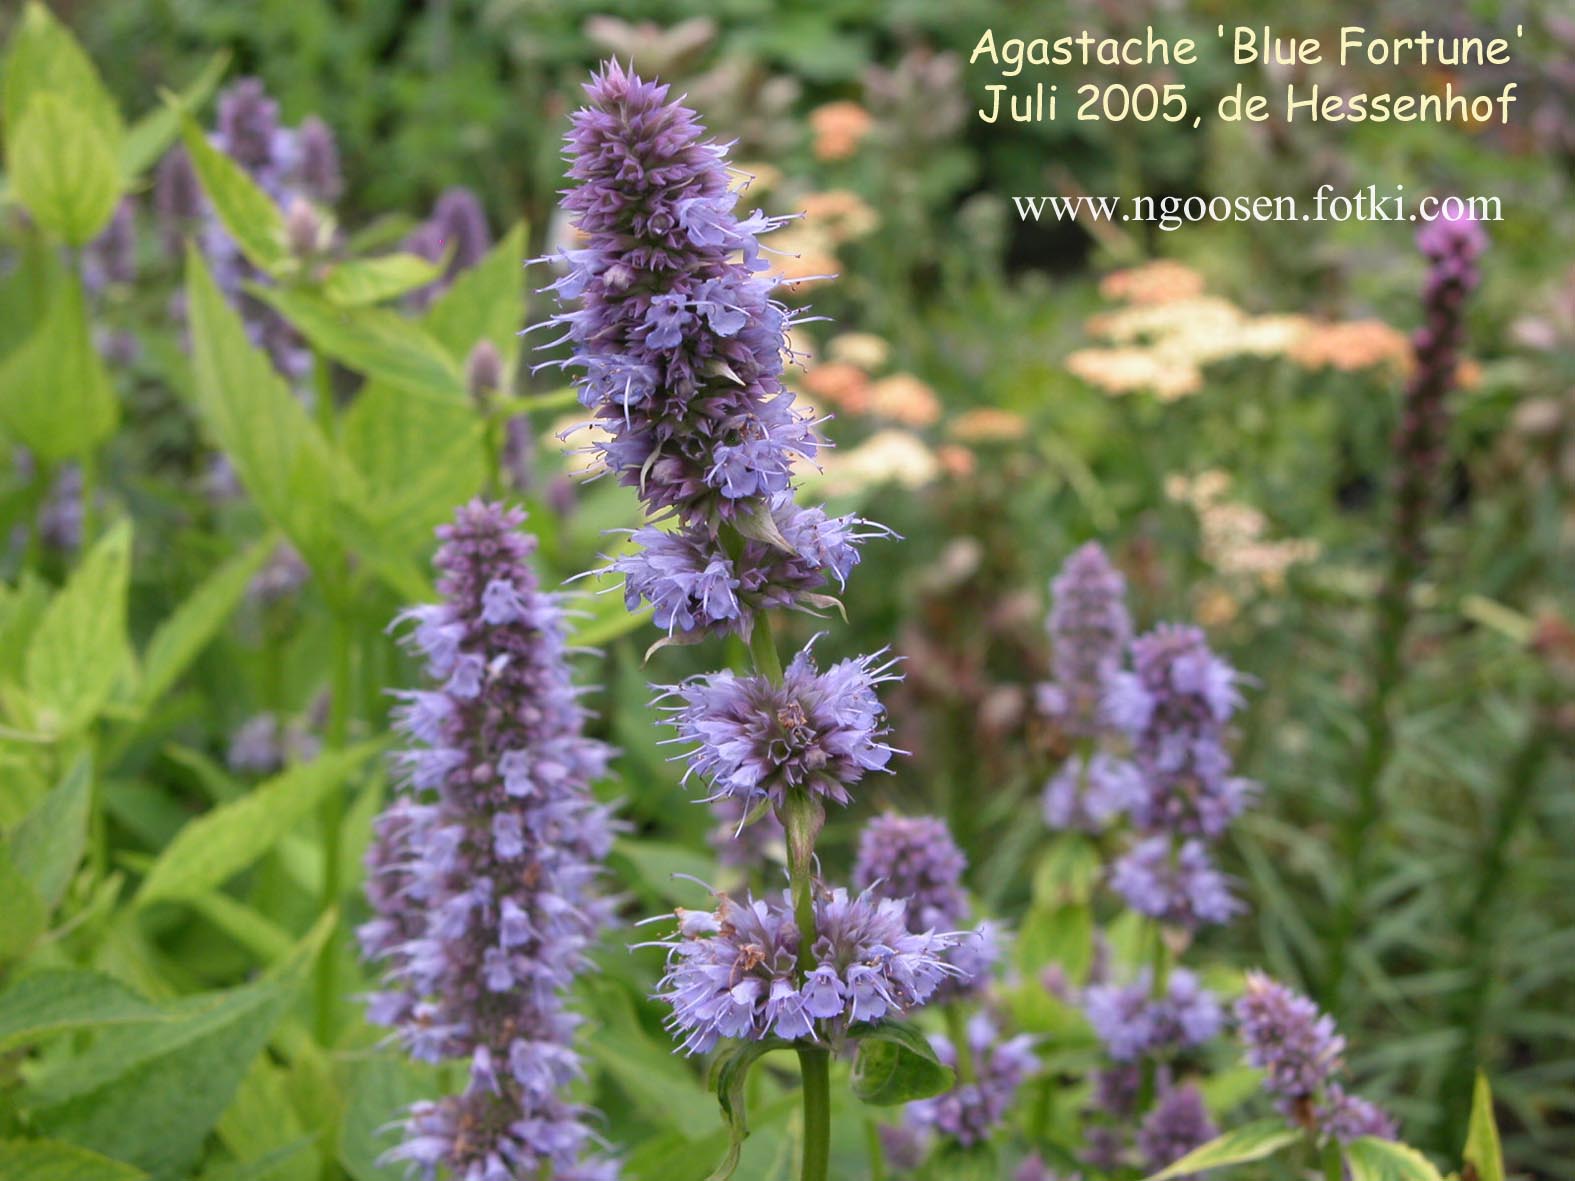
{"x": 815, "y": 1066}
{"x": 332, "y": 821}
{"x": 957, "y": 1029}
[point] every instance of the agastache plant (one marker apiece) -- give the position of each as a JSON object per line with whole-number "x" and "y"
{"x": 482, "y": 872}
{"x": 678, "y": 346}
{"x": 1149, "y": 719}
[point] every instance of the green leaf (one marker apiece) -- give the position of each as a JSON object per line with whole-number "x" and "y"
{"x": 249, "y": 214}
{"x": 46, "y": 847}
{"x": 45, "y": 58}
{"x": 897, "y": 1064}
{"x": 1251, "y": 1142}
{"x": 372, "y": 341}
{"x": 60, "y": 999}
{"x": 372, "y": 280}
{"x": 261, "y": 1121}
{"x": 55, "y": 395}
{"x": 63, "y": 169}
{"x": 279, "y": 455}
{"x": 177, "y": 641}
{"x": 150, "y": 136}
{"x": 383, "y": 1087}
{"x": 1372, "y": 1159}
{"x": 484, "y": 302}
{"x": 1484, "y": 1155}
{"x": 421, "y": 454}
{"x": 80, "y": 650}
{"x": 270, "y": 1166}
{"x": 729, "y": 1076}
{"x": 220, "y": 843}
{"x": 1057, "y": 935}
{"x": 150, "y": 1094}
{"x": 50, "y": 1160}
{"x": 23, "y": 917}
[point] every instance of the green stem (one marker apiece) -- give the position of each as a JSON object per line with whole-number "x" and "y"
{"x": 323, "y": 391}
{"x": 332, "y": 821}
{"x": 1333, "y": 1166}
{"x": 877, "y": 1150}
{"x": 763, "y": 650}
{"x": 815, "y": 1066}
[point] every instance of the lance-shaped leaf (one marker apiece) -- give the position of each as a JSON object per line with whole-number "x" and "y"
{"x": 1239, "y": 1146}
{"x": 150, "y": 136}
{"x": 1372, "y": 1159}
{"x": 372, "y": 280}
{"x": 250, "y": 215}
{"x": 150, "y": 1094}
{"x": 1484, "y": 1156}
{"x": 80, "y": 649}
{"x": 729, "y": 1077}
{"x": 58, "y": 1000}
{"x": 47, "y": 845}
{"x": 44, "y": 58}
{"x": 55, "y": 395}
{"x": 52, "y": 1160}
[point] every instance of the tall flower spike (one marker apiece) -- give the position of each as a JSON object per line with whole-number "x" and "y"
{"x": 1132, "y": 1023}
{"x": 482, "y": 872}
{"x": 1178, "y": 1123}
{"x": 1089, "y": 628}
{"x": 679, "y": 343}
{"x": 458, "y": 230}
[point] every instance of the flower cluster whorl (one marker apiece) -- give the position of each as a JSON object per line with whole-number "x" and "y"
{"x": 482, "y": 872}
{"x": 1133, "y": 1023}
{"x": 732, "y": 972}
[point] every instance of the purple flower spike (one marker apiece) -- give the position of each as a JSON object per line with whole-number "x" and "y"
{"x": 1092, "y": 796}
{"x": 915, "y": 858}
{"x": 1287, "y": 1037}
{"x": 678, "y": 340}
{"x": 1089, "y": 628}
{"x": 482, "y": 872}
{"x": 819, "y": 732}
{"x": 1132, "y": 1023}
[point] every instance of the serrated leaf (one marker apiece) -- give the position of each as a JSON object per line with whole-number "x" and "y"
{"x": 485, "y": 302}
{"x": 279, "y": 455}
{"x": 373, "y": 341}
{"x": 250, "y": 215}
{"x": 60, "y": 999}
{"x": 150, "y": 136}
{"x": 1239, "y": 1146}
{"x": 47, "y": 845}
{"x": 55, "y": 394}
{"x": 150, "y": 1094}
{"x": 51, "y": 1160}
{"x": 80, "y": 649}
{"x": 372, "y": 280}
{"x": 896, "y": 1064}
{"x": 177, "y": 641}
{"x": 63, "y": 169}
{"x": 220, "y": 843}
{"x": 1484, "y": 1155}
{"x": 1372, "y": 1159}
{"x": 44, "y": 58}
